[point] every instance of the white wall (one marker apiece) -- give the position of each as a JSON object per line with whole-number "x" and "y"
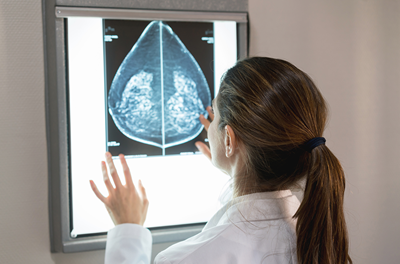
{"x": 352, "y": 51}
{"x": 350, "y": 48}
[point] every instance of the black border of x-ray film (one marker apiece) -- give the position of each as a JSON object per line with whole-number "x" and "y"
{"x": 194, "y": 36}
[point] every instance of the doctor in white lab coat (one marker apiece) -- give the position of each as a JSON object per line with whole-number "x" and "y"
{"x": 268, "y": 119}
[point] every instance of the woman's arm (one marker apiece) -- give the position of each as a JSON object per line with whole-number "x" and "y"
{"x": 129, "y": 241}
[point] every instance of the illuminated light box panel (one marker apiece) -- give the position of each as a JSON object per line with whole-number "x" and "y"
{"x": 136, "y": 84}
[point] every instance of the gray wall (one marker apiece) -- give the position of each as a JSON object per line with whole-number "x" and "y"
{"x": 351, "y": 50}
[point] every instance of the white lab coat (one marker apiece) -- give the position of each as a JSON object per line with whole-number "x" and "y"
{"x": 255, "y": 228}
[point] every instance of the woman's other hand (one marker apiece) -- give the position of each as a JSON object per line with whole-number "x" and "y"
{"x": 200, "y": 145}
{"x": 124, "y": 203}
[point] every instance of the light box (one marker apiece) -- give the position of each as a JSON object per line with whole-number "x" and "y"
{"x": 135, "y": 82}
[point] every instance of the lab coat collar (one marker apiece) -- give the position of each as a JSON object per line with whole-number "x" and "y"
{"x": 256, "y": 207}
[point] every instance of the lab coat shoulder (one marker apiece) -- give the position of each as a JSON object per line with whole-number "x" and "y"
{"x": 246, "y": 242}
{"x": 229, "y": 238}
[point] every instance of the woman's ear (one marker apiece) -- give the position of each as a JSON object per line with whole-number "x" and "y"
{"x": 230, "y": 141}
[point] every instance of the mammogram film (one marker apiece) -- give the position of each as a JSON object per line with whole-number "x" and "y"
{"x": 159, "y": 90}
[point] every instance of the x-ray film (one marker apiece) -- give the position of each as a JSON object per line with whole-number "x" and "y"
{"x": 159, "y": 81}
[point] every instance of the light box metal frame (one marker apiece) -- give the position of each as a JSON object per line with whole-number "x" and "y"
{"x": 58, "y": 126}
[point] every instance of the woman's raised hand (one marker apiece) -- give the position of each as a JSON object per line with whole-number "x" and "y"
{"x": 200, "y": 145}
{"x": 124, "y": 203}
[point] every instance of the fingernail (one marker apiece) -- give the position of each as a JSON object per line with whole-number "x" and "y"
{"x": 108, "y": 154}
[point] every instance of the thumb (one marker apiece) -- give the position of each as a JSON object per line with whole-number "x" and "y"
{"x": 203, "y": 148}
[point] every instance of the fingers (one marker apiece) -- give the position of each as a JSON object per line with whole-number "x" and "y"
{"x": 142, "y": 191}
{"x": 97, "y": 193}
{"x": 127, "y": 172}
{"x": 200, "y": 145}
{"x": 204, "y": 121}
{"x": 106, "y": 179}
{"x": 145, "y": 201}
{"x": 210, "y": 112}
{"x": 113, "y": 171}
{"x": 203, "y": 149}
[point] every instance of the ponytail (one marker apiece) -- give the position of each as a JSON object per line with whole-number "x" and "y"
{"x": 321, "y": 227}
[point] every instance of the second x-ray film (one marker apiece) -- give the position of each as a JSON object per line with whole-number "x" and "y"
{"x": 138, "y": 88}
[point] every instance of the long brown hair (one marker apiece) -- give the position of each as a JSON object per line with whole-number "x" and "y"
{"x": 274, "y": 108}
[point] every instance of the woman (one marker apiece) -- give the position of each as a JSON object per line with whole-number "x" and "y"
{"x": 269, "y": 118}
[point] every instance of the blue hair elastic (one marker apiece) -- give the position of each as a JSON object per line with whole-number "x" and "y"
{"x": 315, "y": 142}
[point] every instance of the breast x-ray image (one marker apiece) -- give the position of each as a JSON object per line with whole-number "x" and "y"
{"x": 159, "y": 81}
